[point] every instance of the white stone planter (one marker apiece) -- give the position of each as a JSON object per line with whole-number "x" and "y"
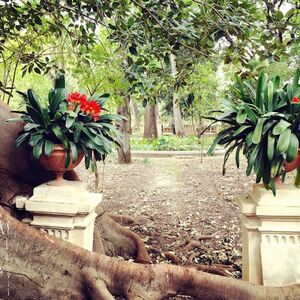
{"x": 66, "y": 211}
{"x": 271, "y": 236}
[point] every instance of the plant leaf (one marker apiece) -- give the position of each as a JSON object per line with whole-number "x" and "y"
{"x": 61, "y": 136}
{"x": 241, "y": 116}
{"x": 30, "y": 126}
{"x": 271, "y": 146}
{"x": 58, "y": 97}
{"x": 259, "y": 90}
{"x": 293, "y": 148}
{"x": 237, "y": 154}
{"x": 48, "y": 147}
{"x": 36, "y": 116}
{"x": 38, "y": 149}
{"x": 69, "y": 121}
{"x": 241, "y": 129}
{"x": 296, "y": 79}
{"x": 270, "y": 95}
{"x": 252, "y": 116}
{"x": 258, "y": 131}
{"x": 78, "y": 130}
{"x": 74, "y": 152}
{"x": 281, "y": 127}
{"x": 219, "y": 137}
{"x": 253, "y": 155}
{"x": 22, "y": 138}
{"x": 283, "y": 141}
{"x": 34, "y": 102}
{"x": 35, "y": 138}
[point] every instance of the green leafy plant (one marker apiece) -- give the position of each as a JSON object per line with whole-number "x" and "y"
{"x": 262, "y": 121}
{"x": 171, "y": 143}
{"x": 71, "y": 120}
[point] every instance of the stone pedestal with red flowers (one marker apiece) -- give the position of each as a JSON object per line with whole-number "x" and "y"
{"x": 65, "y": 211}
{"x": 271, "y": 236}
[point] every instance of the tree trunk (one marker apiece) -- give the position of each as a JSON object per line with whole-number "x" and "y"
{"x": 35, "y": 265}
{"x": 150, "y": 126}
{"x": 179, "y": 127}
{"x": 200, "y": 125}
{"x": 136, "y": 115}
{"x": 124, "y": 153}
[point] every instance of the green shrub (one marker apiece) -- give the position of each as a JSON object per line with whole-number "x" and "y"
{"x": 171, "y": 143}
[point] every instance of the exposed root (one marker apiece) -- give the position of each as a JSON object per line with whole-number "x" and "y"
{"x": 154, "y": 250}
{"x": 207, "y": 236}
{"x": 64, "y": 266}
{"x": 142, "y": 254}
{"x": 97, "y": 244}
{"x": 173, "y": 258}
{"x": 122, "y": 219}
{"x": 96, "y": 288}
{"x": 118, "y": 240}
{"x": 191, "y": 257}
{"x": 213, "y": 270}
{"x": 191, "y": 246}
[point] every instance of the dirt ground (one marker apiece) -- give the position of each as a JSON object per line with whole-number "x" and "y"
{"x": 178, "y": 200}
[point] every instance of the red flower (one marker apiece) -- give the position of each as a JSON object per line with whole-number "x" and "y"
{"x": 92, "y": 107}
{"x": 83, "y": 104}
{"x": 76, "y": 97}
{"x": 295, "y": 100}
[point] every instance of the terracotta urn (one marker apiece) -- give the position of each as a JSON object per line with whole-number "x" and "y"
{"x": 290, "y": 166}
{"x": 56, "y": 163}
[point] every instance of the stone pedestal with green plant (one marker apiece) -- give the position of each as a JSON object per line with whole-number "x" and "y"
{"x": 70, "y": 127}
{"x": 262, "y": 121}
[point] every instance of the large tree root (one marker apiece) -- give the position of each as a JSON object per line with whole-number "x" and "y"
{"x": 35, "y": 265}
{"x": 120, "y": 241}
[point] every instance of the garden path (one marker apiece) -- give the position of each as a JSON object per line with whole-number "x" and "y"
{"x": 177, "y": 199}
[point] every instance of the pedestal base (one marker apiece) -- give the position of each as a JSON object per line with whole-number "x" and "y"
{"x": 65, "y": 211}
{"x": 271, "y": 236}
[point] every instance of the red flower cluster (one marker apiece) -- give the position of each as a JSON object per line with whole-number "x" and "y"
{"x": 295, "y": 100}
{"x": 76, "y": 98}
{"x": 89, "y": 107}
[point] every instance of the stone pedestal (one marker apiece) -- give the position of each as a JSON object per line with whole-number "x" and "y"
{"x": 271, "y": 236}
{"x": 66, "y": 211}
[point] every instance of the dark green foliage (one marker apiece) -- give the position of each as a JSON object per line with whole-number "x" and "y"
{"x": 151, "y": 28}
{"x": 264, "y": 124}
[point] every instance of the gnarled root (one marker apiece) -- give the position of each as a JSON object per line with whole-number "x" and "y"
{"x": 44, "y": 267}
{"x": 122, "y": 219}
{"x": 120, "y": 241}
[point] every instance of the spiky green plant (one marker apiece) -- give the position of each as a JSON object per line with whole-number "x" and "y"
{"x": 262, "y": 121}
